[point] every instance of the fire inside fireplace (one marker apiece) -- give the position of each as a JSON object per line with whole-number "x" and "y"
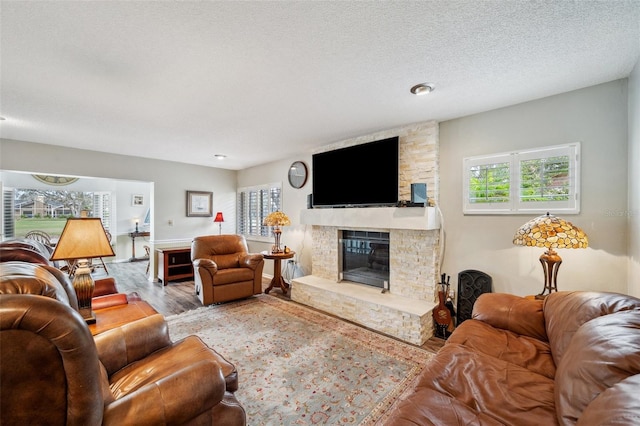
{"x": 365, "y": 257}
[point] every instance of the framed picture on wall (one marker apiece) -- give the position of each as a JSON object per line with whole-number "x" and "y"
{"x": 137, "y": 200}
{"x": 199, "y": 204}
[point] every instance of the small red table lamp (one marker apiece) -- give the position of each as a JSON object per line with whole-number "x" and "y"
{"x": 219, "y": 219}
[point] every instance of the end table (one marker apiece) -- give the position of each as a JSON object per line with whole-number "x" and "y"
{"x": 278, "y": 280}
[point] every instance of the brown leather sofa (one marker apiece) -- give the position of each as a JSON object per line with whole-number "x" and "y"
{"x": 52, "y": 371}
{"x": 573, "y": 359}
{"x": 224, "y": 269}
{"x": 105, "y": 293}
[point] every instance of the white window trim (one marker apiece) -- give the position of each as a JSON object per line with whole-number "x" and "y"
{"x": 268, "y": 186}
{"x": 515, "y": 206}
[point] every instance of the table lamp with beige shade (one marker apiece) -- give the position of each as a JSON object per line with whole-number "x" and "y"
{"x": 83, "y": 239}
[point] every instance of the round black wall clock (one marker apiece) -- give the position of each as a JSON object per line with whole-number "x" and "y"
{"x": 297, "y": 174}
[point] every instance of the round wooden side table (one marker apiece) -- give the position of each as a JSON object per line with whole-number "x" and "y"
{"x": 278, "y": 279}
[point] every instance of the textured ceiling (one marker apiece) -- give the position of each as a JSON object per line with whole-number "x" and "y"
{"x": 262, "y": 81}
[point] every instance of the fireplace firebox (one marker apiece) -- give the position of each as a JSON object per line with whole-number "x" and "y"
{"x": 365, "y": 257}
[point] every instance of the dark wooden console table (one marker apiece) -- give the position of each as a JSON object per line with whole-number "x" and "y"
{"x": 133, "y": 236}
{"x": 174, "y": 264}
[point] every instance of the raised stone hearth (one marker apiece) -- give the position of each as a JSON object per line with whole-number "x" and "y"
{"x": 404, "y": 311}
{"x": 409, "y": 320}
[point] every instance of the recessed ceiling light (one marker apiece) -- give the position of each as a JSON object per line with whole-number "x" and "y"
{"x": 423, "y": 88}
{"x": 220, "y": 156}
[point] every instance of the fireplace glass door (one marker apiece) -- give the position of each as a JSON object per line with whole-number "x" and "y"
{"x": 365, "y": 257}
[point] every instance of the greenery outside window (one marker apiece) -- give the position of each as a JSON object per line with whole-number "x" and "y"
{"x": 47, "y": 210}
{"x": 254, "y": 204}
{"x": 529, "y": 181}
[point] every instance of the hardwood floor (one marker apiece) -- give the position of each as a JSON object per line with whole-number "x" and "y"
{"x": 178, "y": 296}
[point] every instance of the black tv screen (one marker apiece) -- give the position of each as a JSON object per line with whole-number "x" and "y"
{"x": 359, "y": 175}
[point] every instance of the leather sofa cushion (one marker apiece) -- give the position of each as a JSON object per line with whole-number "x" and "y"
{"x": 229, "y": 372}
{"x": 232, "y": 275}
{"x": 45, "y": 250}
{"x": 617, "y": 406}
{"x": 482, "y": 384}
{"x": 440, "y": 411}
{"x": 50, "y": 370}
{"x": 18, "y": 378}
{"x": 22, "y": 254}
{"x": 524, "y": 351}
{"x": 39, "y": 286}
{"x": 104, "y": 286}
{"x": 109, "y": 300}
{"x": 566, "y": 311}
{"x": 187, "y": 394}
{"x": 603, "y": 352}
{"x": 227, "y": 260}
{"x": 28, "y": 278}
{"x": 159, "y": 365}
{"x": 32, "y": 278}
{"x": 510, "y": 312}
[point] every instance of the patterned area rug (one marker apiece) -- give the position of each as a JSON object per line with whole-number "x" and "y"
{"x": 297, "y": 366}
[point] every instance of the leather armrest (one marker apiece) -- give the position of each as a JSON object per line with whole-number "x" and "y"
{"x": 133, "y": 296}
{"x": 105, "y": 286}
{"x": 170, "y": 400}
{"x": 206, "y": 263}
{"x": 131, "y": 342}
{"x": 514, "y": 313}
{"x": 108, "y": 300}
{"x": 251, "y": 260}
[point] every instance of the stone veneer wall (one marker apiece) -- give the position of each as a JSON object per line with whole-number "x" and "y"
{"x": 415, "y": 254}
{"x": 418, "y": 155}
{"x": 324, "y": 253}
{"x": 413, "y": 263}
{"x": 419, "y": 151}
{"x": 413, "y": 259}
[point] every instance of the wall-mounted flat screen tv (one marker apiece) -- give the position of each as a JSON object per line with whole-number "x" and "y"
{"x": 357, "y": 176}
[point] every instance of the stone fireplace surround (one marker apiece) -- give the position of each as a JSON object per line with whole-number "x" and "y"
{"x": 405, "y": 311}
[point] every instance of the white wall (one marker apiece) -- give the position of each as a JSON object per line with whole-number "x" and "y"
{"x": 296, "y": 236}
{"x": 595, "y": 116}
{"x": 170, "y": 181}
{"x": 634, "y": 182}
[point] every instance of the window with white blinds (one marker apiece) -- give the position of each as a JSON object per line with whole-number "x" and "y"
{"x": 531, "y": 181}
{"x": 102, "y": 208}
{"x": 254, "y": 204}
{"x": 8, "y": 224}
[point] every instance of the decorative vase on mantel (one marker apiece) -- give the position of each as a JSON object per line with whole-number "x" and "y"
{"x": 277, "y": 219}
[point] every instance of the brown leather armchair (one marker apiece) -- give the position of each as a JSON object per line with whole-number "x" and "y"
{"x": 224, "y": 269}
{"x": 133, "y": 374}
